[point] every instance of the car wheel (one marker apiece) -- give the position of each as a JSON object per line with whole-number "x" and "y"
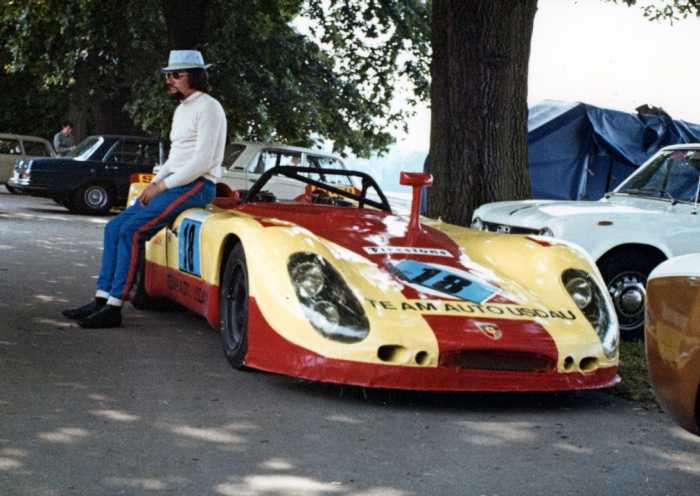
{"x": 93, "y": 199}
{"x": 137, "y": 294}
{"x": 626, "y": 276}
{"x": 139, "y": 297}
{"x": 10, "y": 189}
{"x": 234, "y": 308}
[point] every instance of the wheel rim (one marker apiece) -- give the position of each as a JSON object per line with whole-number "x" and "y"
{"x": 628, "y": 293}
{"x": 95, "y": 197}
{"x": 236, "y": 308}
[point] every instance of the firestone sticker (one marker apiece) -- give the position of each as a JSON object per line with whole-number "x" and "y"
{"x": 406, "y": 250}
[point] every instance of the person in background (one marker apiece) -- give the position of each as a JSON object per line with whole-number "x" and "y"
{"x": 63, "y": 140}
{"x": 186, "y": 180}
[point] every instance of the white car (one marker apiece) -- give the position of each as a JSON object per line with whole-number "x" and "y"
{"x": 245, "y": 162}
{"x": 651, "y": 216}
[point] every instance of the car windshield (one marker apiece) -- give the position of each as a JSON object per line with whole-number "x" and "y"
{"x": 86, "y": 148}
{"x": 673, "y": 175}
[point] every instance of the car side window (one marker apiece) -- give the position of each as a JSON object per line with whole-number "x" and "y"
{"x": 272, "y": 158}
{"x": 231, "y": 154}
{"x": 10, "y": 146}
{"x": 36, "y": 149}
{"x": 325, "y": 162}
{"x": 136, "y": 153}
{"x": 329, "y": 163}
{"x": 683, "y": 180}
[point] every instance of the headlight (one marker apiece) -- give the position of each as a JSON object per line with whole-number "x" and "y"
{"x": 307, "y": 278}
{"x": 328, "y": 303}
{"x": 581, "y": 291}
{"x": 596, "y": 307}
{"x": 477, "y": 224}
{"x": 545, "y": 231}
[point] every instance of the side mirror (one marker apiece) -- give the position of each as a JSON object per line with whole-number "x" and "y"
{"x": 418, "y": 181}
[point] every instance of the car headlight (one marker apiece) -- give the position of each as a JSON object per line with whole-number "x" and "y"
{"x": 329, "y": 304}
{"x": 477, "y": 223}
{"x": 595, "y": 306}
{"x": 308, "y": 278}
{"x": 545, "y": 231}
{"x": 581, "y": 291}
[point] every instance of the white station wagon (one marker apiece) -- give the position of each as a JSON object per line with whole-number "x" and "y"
{"x": 651, "y": 216}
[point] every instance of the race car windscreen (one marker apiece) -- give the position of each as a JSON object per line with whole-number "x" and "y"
{"x": 337, "y": 187}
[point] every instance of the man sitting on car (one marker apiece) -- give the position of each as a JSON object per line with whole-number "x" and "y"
{"x": 186, "y": 180}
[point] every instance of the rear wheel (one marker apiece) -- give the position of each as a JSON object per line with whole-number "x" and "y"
{"x": 93, "y": 199}
{"x": 139, "y": 297}
{"x": 626, "y": 274}
{"x": 137, "y": 294}
{"x": 234, "y": 308}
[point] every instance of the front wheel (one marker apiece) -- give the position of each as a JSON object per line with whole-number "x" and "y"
{"x": 10, "y": 189}
{"x": 93, "y": 199}
{"x": 626, "y": 274}
{"x": 234, "y": 308}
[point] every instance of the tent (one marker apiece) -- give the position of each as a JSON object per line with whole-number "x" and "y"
{"x": 578, "y": 151}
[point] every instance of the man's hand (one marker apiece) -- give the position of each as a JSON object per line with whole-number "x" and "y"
{"x": 151, "y": 191}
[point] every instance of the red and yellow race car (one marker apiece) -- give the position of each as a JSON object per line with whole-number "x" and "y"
{"x": 332, "y": 286}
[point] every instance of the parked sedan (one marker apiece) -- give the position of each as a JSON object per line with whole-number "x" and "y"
{"x": 651, "y": 216}
{"x": 94, "y": 177}
{"x": 673, "y": 338}
{"x": 15, "y": 147}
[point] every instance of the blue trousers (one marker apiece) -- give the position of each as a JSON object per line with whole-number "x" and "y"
{"x": 127, "y": 233}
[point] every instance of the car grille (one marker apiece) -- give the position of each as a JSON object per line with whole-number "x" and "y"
{"x": 515, "y": 361}
{"x": 506, "y": 229}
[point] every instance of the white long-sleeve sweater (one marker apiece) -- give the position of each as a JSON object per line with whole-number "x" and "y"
{"x": 198, "y": 139}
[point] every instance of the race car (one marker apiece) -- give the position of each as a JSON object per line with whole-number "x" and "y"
{"x": 332, "y": 286}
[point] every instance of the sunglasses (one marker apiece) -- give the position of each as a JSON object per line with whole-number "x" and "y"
{"x": 174, "y": 75}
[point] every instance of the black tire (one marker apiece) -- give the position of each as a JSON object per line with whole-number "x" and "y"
{"x": 92, "y": 199}
{"x": 137, "y": 294}
{"x": 234, "y": 308}
{"x": 625, "y": 274}
{"x": 10, "y": 189}
{"x": 139, "y": 297}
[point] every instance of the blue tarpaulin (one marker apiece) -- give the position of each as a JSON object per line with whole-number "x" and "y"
{"x": 578, "y": 151}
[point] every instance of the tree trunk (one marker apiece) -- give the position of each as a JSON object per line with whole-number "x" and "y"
{"x": 478, "y": 135}
{"x": 186, "y": 21}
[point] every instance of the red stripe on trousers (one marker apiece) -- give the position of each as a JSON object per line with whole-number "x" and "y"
{"x": 146, "y": 227}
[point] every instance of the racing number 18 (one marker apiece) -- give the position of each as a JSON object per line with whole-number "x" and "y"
{"x": 448, "y": 283}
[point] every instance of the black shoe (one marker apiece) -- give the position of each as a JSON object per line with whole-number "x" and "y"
{"x": 107, "y": 316}
{"x": 85, "y": 310}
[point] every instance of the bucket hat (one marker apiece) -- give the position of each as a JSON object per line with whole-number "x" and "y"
{"x": 185, "y": 59}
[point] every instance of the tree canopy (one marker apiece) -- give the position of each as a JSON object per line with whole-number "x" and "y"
{"x": 98, "y": 63}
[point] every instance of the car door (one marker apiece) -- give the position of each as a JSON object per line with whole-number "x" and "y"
{"x": 10, "y": 150}
{"x": 127, "y": 157}
{"x": 682, "y": 183}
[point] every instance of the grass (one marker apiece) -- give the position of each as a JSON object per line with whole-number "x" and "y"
{"x": 636, "y": 384}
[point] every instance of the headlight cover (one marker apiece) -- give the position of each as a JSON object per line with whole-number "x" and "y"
{"x": 328, "y": 303}
{"x": 592, "y": 302}
{"x": 478, "y": 224}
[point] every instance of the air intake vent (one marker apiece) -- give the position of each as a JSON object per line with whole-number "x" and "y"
{"x": 497, "y": 360}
